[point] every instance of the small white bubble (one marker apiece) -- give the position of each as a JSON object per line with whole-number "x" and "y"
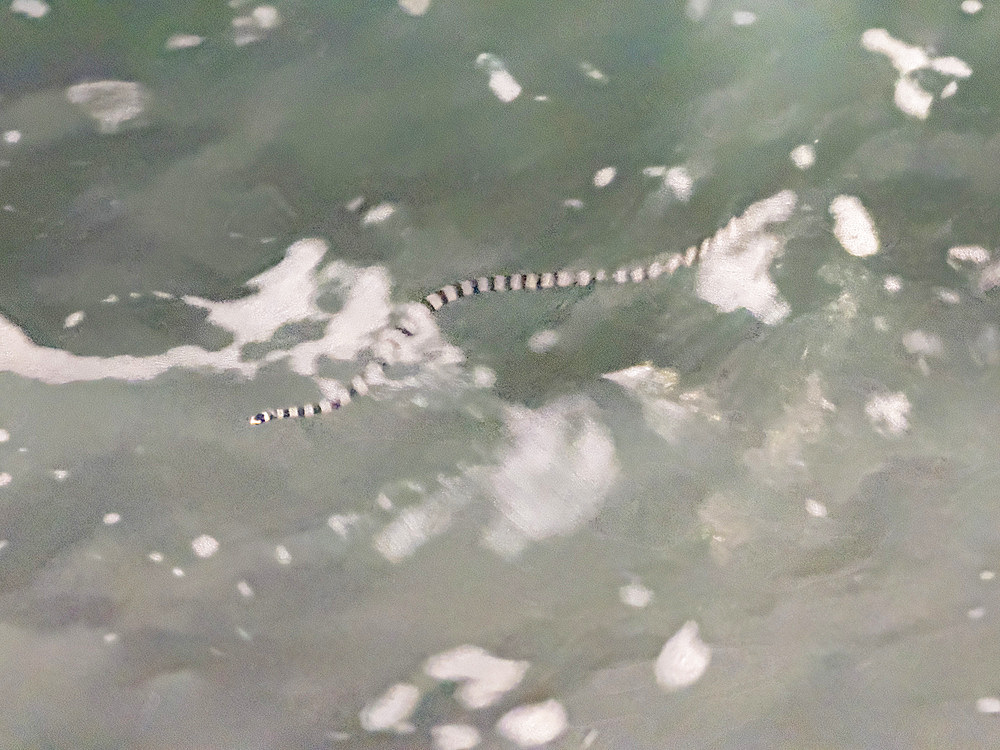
{"x": 574, "y": 203}
{"x": 5, "y": 478}
{"x": 378, "y": 214}
{"x": 3, "y": 543}
{"x": 110, "y": 519}
{"x": 244, "y": 588}
{"x": 744, "y": 18}
{"x": 976, "y": 613}
{"x": 156, "y": 557}
{"x": 987, "y": 575}
{"x": 178, "y": 572}
{"x": 110, "y": 299}
{"x": 60, "y": 474}
{"x": 282, "y": 555}
{"x": 12, "y": 136}
{"x": 30, "y": 8}
{"x": 971, "y": 7}
{"x": 4, "y": 435}
{"x": 110, "y": 637}
{"x": 183, "y": 41}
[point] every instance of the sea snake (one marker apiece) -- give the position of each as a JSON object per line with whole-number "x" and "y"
{"x": 499, "y": 283}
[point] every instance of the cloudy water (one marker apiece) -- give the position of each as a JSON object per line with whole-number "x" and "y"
{"x": 720, "y": 471}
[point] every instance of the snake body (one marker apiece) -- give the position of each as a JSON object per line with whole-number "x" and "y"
{"x": 514, "y": 282}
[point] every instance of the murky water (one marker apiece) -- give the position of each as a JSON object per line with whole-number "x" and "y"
{"x": 749, "y": 502}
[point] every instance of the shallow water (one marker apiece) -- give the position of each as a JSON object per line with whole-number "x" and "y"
{"x": 750, "y": 503}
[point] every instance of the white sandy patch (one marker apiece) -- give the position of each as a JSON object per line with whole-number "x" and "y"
{"x": 391, "y": 710}
{"x": 501, "y": 83}
{"x": 683, "y": 660}
{"x": 554, "y": 479}
{"x": 604, "y": 176}
{"x": 454, "y": 737}
{"x": 30, "y": 8}
{"x": 74, "y": 319}
{"x": 853, "y": 226}
{"x": 110, "y": 102}
{"x": 910, "y": 97}
{"x": 888, "y": 412}
{"x": 733, "y": 272}
{"x": 535, "y": 724}
{"x": 483, "y": 678}
{"x": 183, "y": 41}
{"x": 803, "y": 156}
{"x": 415, "y": 7}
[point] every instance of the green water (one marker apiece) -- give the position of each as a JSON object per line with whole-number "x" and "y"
{"x": 837, "y": 559}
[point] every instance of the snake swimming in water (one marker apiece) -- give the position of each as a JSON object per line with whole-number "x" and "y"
{"x": 499, "y": 283}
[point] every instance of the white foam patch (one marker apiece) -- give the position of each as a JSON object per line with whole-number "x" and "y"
{"x": 341, "y": 523}
{"x": 888, "y": 412}
{"x": 696, "y": 9}
{"x": 853, "y": 226}
{"x": 923, "y": 343}
{"x": 110, "y": 519}
{"x": 543, "y": 341}
{"x": 635, "y": 595}
{"x": 988, "y": 705}
{"x": 483, "y": 678}
{"x": 30, "y": 8}
{"x": 815, "y": 508}
{"x": 910, "y": 97}
{"x": 501, "y": 83}
{"x": 111, "y": 103}
{"x": 604, "y": 176}
{"x": 744, "y": 18}
{"x": 679, "y": 180}
{"x": 591, "y": 72}
{"x": 378, "y": 214}
{"x": 803, "y": 156}
{"x": 74, "y": 319}
{"x": 253, "y": 27}
{"x": 413, "y": 528}
{"x": 734, "y": 269}
{"x": 415, "y": 7}
{"x": 12, "y": 136}
{"x": 5, "y": 478}
{"x": 454, "y": 737}
{"x": 4, "y": 436}
{"x": 892, "y": 284}
{"x": 204, "y": 546}
{"x": 534, "y": 724}
{"x": 183, "y": 41}
{"x": 976, "y": 255}
{"x": 391, "y": 710}
{"x": 683, "y": 660}
{"x": 554, "y": 478}
{"x": 971, "y": 7}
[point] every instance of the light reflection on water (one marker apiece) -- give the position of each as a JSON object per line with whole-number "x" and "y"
{"x": 773, "y": 524}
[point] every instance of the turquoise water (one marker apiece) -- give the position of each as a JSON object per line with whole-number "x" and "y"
{"x": 789, "y": 444}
